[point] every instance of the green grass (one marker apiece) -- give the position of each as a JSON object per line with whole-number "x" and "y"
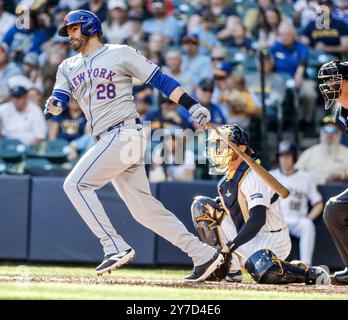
{"x": 34, "y": 290}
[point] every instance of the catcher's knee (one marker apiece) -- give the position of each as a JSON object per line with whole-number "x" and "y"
{"x": 207, "y": 216}
{"x": 265, "y": 267}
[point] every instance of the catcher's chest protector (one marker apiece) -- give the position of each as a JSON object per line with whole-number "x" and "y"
{"x": 228, "y": 188}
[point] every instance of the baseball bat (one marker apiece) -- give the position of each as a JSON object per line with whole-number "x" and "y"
{"x": 262, "y": 172}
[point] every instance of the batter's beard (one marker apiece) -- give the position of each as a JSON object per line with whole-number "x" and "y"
{"x": 77, "y": 44}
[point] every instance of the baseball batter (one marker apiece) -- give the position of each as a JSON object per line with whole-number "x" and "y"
{"x": 100, "y": 79}
{"x": 334, "y": 88}
{"x": 247, "y": 219}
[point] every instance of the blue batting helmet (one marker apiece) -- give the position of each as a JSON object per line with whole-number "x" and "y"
{"x": 90, "y": 23}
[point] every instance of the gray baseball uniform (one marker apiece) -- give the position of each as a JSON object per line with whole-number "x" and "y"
{"x": 102, "y": 84}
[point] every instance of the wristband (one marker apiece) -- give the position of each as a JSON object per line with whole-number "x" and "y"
{"x": 187, "y": 101}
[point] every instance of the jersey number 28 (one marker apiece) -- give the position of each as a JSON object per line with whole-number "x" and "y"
{"x": 106, "y": 91}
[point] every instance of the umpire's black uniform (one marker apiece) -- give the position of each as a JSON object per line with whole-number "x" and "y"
{"x": 336, "y": 214}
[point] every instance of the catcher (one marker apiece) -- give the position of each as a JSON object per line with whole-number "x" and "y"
{"x": 246, "y": 221}
{"x": 334, "y": 88}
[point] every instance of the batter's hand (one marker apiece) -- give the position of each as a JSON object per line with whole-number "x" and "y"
{"x": 53, "y": 106}
{"x": 200, "y": 114}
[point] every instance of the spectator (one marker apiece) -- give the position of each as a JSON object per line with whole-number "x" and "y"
{"x": 172, "y": 160}
{"x": 116, "y": 28}
{"x": 218, "y": 55}
{"x": 99, "y": 7}
{"x": 143, "y": 102}
{"x": 254, "y": 16}
{"x": 79, "y": 146}
{"x": 303, "y": 190}
{"x": 290, "y": 58}
{"x": 54, "y": 55}
{"x": 207, "y": 38}
{"x": 137, "y": 35}
{"x": 269, "y": 28}
{"x": 156, "y": 47}
{"x": 61, "y": 10}
{"x": 240, "y": 104}
{"x": 305, "y": 11}
{"x": 326, "y": 161}
{"x": 225, "y": 19}
{"x": 275, "y": 87}
{"x": 21, "y": 41}
{"x": 7, "y": 70}
{"x": 21, "y": 119}
{"x": 222, "y": 81}
{"x": 198, "y": 66}
{"x": 239, "y": 39}
{"x": 204, "y": 93}
{"x": 169, "y": 115}
{"x": 73, "y": 4}
{"x": 36, "y": 96}
{"x": 32, "y": 70}
{"x": 332, "y": 40}
{"x": 139, "y": 8}
{"x": 162, "y": 22}
{"x": 69, "y": 125}
{"x": 173, "y": 67}
{"x": 7, "y": 20}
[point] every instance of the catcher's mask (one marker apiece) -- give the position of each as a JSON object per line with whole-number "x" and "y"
{"x": 218, "y": 152}
{"x": 331, "y": 76}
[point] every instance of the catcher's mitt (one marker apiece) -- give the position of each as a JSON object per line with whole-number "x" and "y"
{"x": 220, "y": 273}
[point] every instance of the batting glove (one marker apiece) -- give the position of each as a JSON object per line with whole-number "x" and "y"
{"x": 53, "y": 105}
{"x": 200, "y": 114}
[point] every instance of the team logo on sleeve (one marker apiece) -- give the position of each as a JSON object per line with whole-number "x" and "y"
{"x": 256, "y": 196}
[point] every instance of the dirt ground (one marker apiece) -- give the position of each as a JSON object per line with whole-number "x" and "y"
{"x": 182, "y": 284}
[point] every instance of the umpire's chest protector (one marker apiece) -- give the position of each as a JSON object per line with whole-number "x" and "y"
{"x": 228, "y": 189}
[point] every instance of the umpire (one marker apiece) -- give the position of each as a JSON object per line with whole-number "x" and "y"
{"x": 334, "y": 87}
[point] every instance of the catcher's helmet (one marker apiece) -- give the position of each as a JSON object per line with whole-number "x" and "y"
{"x": 331, "y": 75}
{"x": 287, "y": 147}
{"x": 218, "y": 152}
{"x": 90, "y": 23}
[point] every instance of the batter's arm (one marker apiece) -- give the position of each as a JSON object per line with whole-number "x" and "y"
{"x": 171, "y": 88}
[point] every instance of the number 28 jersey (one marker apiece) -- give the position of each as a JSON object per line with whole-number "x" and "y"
{"x": 102, "y": 83}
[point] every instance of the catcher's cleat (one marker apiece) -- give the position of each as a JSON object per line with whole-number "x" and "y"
{"x": 202, "y": 272}
{"x": 114, "y": 261}
{"x": 340, "y": 277}
{"x": 236, "y": 276}
{"x": 318, "y": 276}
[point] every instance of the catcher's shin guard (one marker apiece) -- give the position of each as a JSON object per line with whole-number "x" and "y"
{"x": 266, "y": 268}
{"x": 207, "y": 216}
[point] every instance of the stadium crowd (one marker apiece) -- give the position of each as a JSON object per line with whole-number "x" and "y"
{"x": 214, "y": 48}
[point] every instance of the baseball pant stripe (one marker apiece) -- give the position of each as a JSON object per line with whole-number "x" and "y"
{"x": 78, "y": 188}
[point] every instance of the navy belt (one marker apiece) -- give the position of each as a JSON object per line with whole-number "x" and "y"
{"x": 120, "y": 124}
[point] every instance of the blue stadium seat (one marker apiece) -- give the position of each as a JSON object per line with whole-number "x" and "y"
{"x": 55, "y": 151}
{"x": 12, "y": 150}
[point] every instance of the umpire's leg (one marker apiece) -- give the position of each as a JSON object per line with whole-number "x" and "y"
{"x": 336, "y": 220}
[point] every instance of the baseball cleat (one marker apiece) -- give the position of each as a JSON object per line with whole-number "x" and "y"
{"x": 203, "y": 271}
{"x": 236, "y": 276}
{"x": 114, "y": 261}
{"x": 318, "y": 276}
{"x": 340, "y": 277}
